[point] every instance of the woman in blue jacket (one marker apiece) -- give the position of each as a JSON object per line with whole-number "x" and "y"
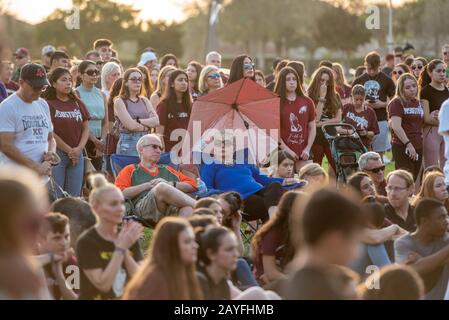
{"x": 261, "y": 193}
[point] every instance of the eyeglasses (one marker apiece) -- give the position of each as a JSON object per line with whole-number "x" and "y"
{"x": 214, "y": 76}
{"x": 135, "y": 80}
{"x": 417, "y": 67}
{"x": 394, "y": 189}
{"x": 440, "y": 70}
{"x": 446, "y": 53}
{"x": 398, "y": 72}
{"x": 154, "y": 146}
{"x": 376, "y": 170}
{"x": 92, "y": 73}
{"x": 248, "y": 66}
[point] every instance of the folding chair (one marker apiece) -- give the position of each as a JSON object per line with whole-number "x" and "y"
{"x": 118, "y": 162}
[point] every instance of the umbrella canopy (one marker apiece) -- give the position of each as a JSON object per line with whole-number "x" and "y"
{"x": 244, "y": 106}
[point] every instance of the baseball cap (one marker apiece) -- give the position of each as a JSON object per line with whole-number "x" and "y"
{"x": 34, "y": 74}
{"x": 21, "y": 52}
{"x": 48, "y": 49}
{"x": 145, "y": 57}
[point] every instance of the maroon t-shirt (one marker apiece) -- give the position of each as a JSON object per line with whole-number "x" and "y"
{"x": 270, "y": 245}
{"x": 295, "y": 118}
{"x": 68, "y": 117}
{"x": 172, "y": 121}
{"x": 365, "y": 120}
{"x": 412, "y": 115}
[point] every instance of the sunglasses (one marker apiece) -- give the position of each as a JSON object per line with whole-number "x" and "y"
{"x": 446, "y": 53}
{"x": 376, "y": 170}
{"x": 417, "y": 67}
{"x": 19, "y": 57}
{"x": 440, "y": 70}
{"x": 248, "y": 66}
{"x": 154, "y": 146}
{"x": 136, "y": 80}
{"x": 92, "y": 73}
{"x": 398, "y": 72}
{"x": 214, "y": 76}
{"x": 398, "y": 55}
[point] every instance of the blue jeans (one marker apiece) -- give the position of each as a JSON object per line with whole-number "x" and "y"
{"x": 371, "y": 255}
{"x": 244, "y": 275}
{"x": 68, "y": 176}
{"x": 127, "y": 142}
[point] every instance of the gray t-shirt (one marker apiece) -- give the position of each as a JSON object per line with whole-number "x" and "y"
{"x": 436, "y": 282}
{"x": 31, "y": 123}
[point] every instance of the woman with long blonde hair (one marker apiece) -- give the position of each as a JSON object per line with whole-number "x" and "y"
{"x": 162, "y": 82}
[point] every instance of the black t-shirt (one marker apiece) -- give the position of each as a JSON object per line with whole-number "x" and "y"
{"x": 434, "y": 96}
{"x": 312, "y": 283}
{"x": 94, "y": 252}
{"x": 378, "y": 87}
{"x": 388, "y": 71}
{"x": 409, "y": 224}
{"x": 212, "y": 290}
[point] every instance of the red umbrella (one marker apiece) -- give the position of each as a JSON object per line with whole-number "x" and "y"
{"x": 242, "y": 105}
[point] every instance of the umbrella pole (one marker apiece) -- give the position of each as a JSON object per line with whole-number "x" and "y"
{"x": 236, "y": 108}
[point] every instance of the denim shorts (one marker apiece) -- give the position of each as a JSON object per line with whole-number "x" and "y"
{"x": 381, "y": 142}
{"x": 127, "y": 142}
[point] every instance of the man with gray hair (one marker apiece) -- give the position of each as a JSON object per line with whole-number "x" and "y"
{"x": 156, "y": 190}
{"x": 214, "y": 58}
{"x": 371, "y": 163}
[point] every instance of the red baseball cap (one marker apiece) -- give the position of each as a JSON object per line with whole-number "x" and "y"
{"x": 22, "y": 52}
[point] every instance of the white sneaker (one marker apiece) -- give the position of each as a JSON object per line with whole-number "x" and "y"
{"x": 385, "y": 159}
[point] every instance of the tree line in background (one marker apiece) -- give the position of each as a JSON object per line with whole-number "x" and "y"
{"x": 246, "y": 26}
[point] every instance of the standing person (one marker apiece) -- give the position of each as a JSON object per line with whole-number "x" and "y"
{"x": 260, "y": 78}
{"x": 26, "y": 130}
{"x": 361, "y": 117}
{"x": 272, "y": 248}
{"x": 443, "y": 129}
{"x": 70, "y": 120}
{"x": 169, "y": 60}
{"x": 328, "y": 111}
{"x": 379, "y": 88}
{"x": 110, "y": 72}
{"x": 213, "y": 58}
{"x": 6, "y": 70}
{"x": 22, "y": 56}
{"x": 162, "y": 84}
{"x": 241, "y": 67}
{"x": 445, "y": 54}
{"x": 147, "y": 86}
{"x": 271, "y": 77}
{"x": 398, "y": 71}
{"x": 23, "y": 203}
{"x": 169, "y": 271}
{"x": 134, "y": 113}
{"x": 418, "y": 66}
{"x": 280, "y": 66}
{"x": 111, "y": 139}
{"x": 389, "y": 64}
{"x": 433, "y": 93}
{"x": 107, "y": 256}
{"x": 400, "y": 187}
{"x": 174, "y": 108}
{"x": 104, "y": 49}
{"x": 148, "y": 59}
{"x": 300, "y": 70}
{"x": 193, "y": 71}
{"x": 407, "y": 118}
{"x": 298, "y": 128}
{"x": 209, "y": 80}
{"x": 332, "y": 227}
{"x": 47, "y": 52}
{"x": 427, "y": 249}
{"x": 154, "y": 74}
{"x": 341, "y": 86}
{"x": 95, "y": 102}
{"x": 59, "y": 59}
{"x": 3, "y": 92}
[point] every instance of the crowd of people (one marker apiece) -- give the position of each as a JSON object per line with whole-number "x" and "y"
{"x": 74, "y": 222}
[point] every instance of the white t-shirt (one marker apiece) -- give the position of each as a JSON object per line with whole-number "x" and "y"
{"x": 31, "y": 123}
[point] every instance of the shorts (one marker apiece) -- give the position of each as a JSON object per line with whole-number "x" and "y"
{"x": 381, "y": 142}
{"x": 147, "y": 209}
{"x": 127, "y": 143}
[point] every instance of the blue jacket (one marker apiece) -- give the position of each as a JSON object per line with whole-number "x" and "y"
{"x": 245, "y": 179}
